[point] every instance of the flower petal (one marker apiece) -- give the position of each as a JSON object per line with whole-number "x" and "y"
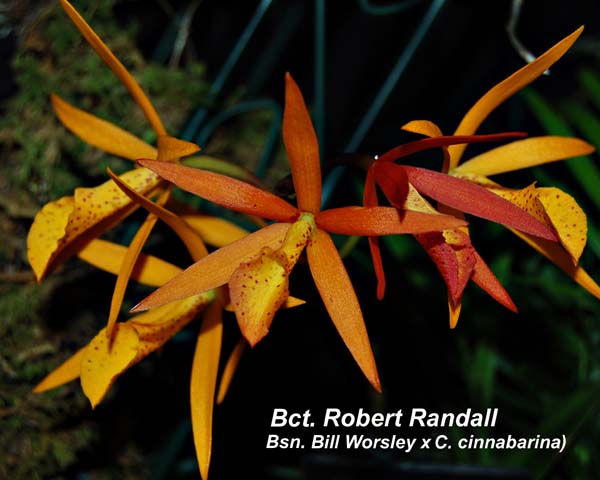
{"x": 216, "y": 269}
{"x": 100, "y": 133}
{"x": 171, "y": 148}
{"x": 471, "y": 198}
{"x": 382, "y": 221}
{"x": 258, "y": 288}
{"x": 188, "y": 236}
{"x": 108, "y": 256}
{"x": 423, "y": 127}
{"x": 214, "y": 230}
{"x": 557, "y": 255}
{"x": 230, "y": 368}
{"x": 106, "y": 359}
{"x": 339, "y": 298}
{"x": 66, "y": 372}
{"x": 116, "y": 66}
{"x": 525, "y": 153}
{"x": 485, "y": 278}
{"x": 498, "y": 94}
{"x": 370, "y": 200}
{"x": 203, "y": 383}
{"x": 60, "y": 227}
{"x": 302, "y": 148}
{"x": 227, "y": 192}
{"x": 454, "y": 309}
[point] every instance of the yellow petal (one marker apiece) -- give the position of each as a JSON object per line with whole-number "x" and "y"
{"x": 214, "y": 230}
{"x": 104, "y": 360}
{"x": 230, "y": 369}
{"x": 116, "y": 66}
{"x": 68, "y": 371}
{"x": 454, "y": 311}
{"x": 203, "y": 383}
{"x": 171, "y": 148}
{"x": 567, "y": 218}
{"x": 523, "y": 154}
{"x": 108, "y": 256}
{"x": 60, "y": 227}
{"x": 100, "y": 133}
{"x": 257, "y": 289}
{"x": 498, "y": 94}
{"x": 423, "y": 127}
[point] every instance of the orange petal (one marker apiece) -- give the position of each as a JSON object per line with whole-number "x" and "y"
{"x": 100, "y": 133}
{"x": 563, "y": 260}
{"x": 68, "y": 371}
{"x": 302, "y": 148}
{"x": 60, "y": 227}
{"x": 171, "y": 148}
{"x": 203, "y": 383}
{"x": 108, "y": 256}
{"x": 340, "y": 300}
{"x": 214, "y": 230}
{"x": 454, "y": 311}
{"x": 370, "y": 200}
{"x": 128, "y": 264}
{"x": 230, "y": 369}
{"x": 116, "y": 66}
{"x": 225, "y": 191}
{"x": 505, "y": 89}
{"x": 188, "y": 236}
{"x": 216, "y": 269}
{"x": 525, "y": 153}
{"x": 423, "y": 127}
{"x": 382, "y": 221}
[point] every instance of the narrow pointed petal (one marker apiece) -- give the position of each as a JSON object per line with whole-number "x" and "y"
{"x": 406, "y": 149}
{"x": 505, "y": 89}
{"x": 474, "y": 199}
{"x": 525, "y": 153}
{"x": 225, "y": 191}
{"x": 339, "y": 298}
{"x": 116, "y": 66}
{"x": 203, "y": 383}
{"x": 215, "y": 231}
{"x": 557, "y": 255}
{"x": 382, "y": 221}
{"x": 216, "y": 269}
{"x": 370, "y": 200}
{"x": 485, "y": 278}
{"x": 230, "y": 368}
{"x": 171, "y": 148}
{"x": 302, "y": 148}
{"x": 108, "y": 256}
{"x": 454, "y": 310}
{"x": 188, "y": 236}
{"x": 100, "y": 133}
{"x": 128, "y": 264}
{"x": 66, "y": 372}
{"x": 59, "y": 229}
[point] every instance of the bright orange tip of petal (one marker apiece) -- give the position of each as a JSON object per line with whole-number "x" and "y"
{"x": 302, "y": 148}
{"x": 171, "y": 148}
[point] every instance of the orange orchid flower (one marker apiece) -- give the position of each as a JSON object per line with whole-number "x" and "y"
{"x": 451, "y": 250}
{"x": 257, "y": 267}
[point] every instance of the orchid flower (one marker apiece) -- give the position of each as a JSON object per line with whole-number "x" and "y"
{"x": 552, "y": 209}
{"x": 257, "y": 267}
{"x": 64, "y": 226}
